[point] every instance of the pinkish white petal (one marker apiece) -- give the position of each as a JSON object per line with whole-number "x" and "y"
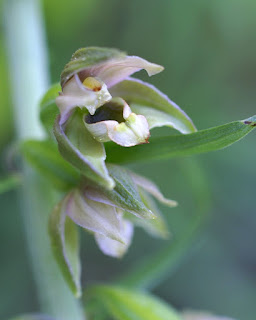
{"x": 151, "y": 188}
{"x": 116, "y": 70}
{"x": 95, "y": 216}
{"x": 77, "y": 94}
{"x": 114, "y": 248}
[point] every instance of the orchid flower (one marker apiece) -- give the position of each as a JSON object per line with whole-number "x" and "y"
{"x": 111, "y": 219}
{"x": 99, "y": 96}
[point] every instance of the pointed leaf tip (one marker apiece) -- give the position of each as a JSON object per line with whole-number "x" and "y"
{"x": 202, "y": 141}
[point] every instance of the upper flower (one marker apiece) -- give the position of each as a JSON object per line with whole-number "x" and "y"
{"x": 100, "y": 102}
{"x": 91, "y": 72}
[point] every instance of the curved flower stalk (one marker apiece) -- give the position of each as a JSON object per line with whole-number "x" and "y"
{"x": 99, "y": 96}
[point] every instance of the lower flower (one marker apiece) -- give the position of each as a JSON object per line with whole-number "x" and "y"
{"x": 111, "y": 215}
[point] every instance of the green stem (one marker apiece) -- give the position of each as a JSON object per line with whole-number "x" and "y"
{"x": 29, "y": 77}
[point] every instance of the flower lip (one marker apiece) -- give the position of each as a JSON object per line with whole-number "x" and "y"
{"x": 111, "y": 110}
{"x": 115, "y": 121}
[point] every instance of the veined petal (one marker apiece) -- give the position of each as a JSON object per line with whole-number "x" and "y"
{"x": 110, "y": 65}
{"x": 115, "y": 248}
{"x": 86, "y": 59}
{"x": 155, "y": 118}
{"x": 116, "y": 70}
{"x": 79, "y": 148}
{"x": 91, "y": 94}
{"x": 144, "y": 95}
{"x": 151, "y": 188}
{"x": 95, "y": 216}
{"x": 115, "y": 121}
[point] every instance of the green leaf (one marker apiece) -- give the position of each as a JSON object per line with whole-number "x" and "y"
{"x": 9, "y": 183}
{"x": 147, "y": 100}
{"x": 125, "y": 194}
{"x": 65, "y": 245}
{"x": 48, "y": 108}
{"x": 86, "y": 58}
{"x": 155, "y": 268}
{"x": 183, "y": 145}
{"x": 79, "y": 148}
{"x": 44, "y": 156}
{"x": 123, "y": 304}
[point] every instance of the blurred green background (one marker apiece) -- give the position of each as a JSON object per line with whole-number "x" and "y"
{"x": 208, "y": 49}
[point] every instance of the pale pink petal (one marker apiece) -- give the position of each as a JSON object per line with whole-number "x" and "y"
{"x": 95, "y": 216}
{"x": 116, "y": 70}
{"x": 75, "y": 94}
{"x": 114, "y": 248}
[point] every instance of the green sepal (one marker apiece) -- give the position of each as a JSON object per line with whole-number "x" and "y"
{"x": 79, "y": 148}
{"x": 125, "y": 194}
{"x": 48, "y": 108}
{"x": 155, "y": 227}
{"x": 147, "y": 100}
{"x": 212, "y": 139}
{"x": 65, "y": 245}
{"x": 88, "y": 57}
{"x": 44, "y": 157}
{"x": 120, "y": 304}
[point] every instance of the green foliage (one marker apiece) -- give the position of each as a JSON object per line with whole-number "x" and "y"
{"x": 183, "y": 145}
{"x": 65, "y": 246}
{"x": 10, "y": 182}
{"x": 44, "y": 157}
{"x": 48, "y": 108}
{"x": 155, "y": 227}
{"x": 125, "y": 193}
{"x": 123, "y": 304}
